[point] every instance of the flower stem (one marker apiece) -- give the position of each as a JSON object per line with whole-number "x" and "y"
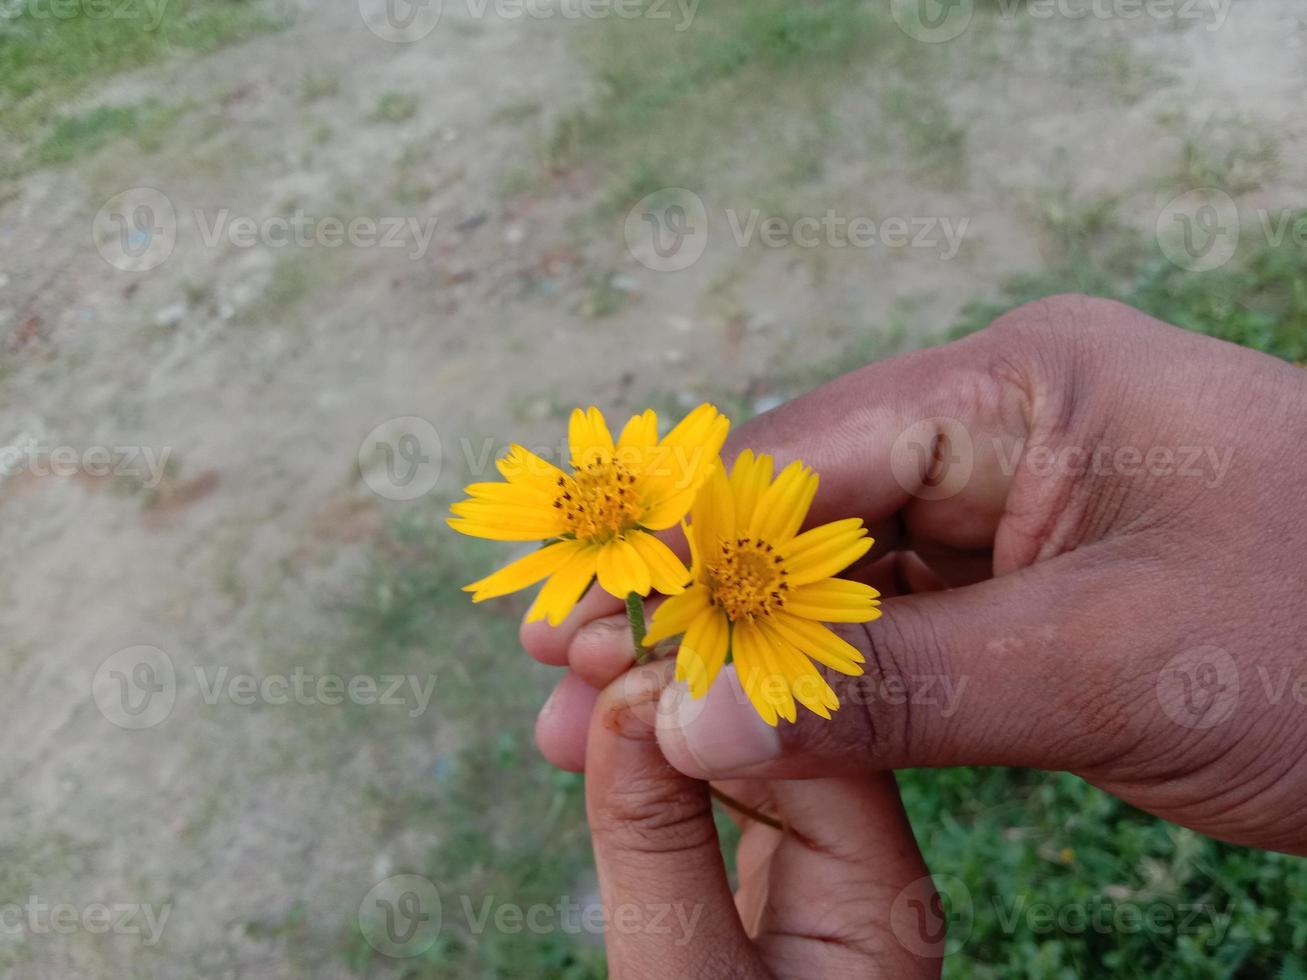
{"x": 635, "y": 616}
{"x": 745, "y": 810}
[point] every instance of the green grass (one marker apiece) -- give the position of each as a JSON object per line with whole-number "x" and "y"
{"x": 78, "y": 135}
{"x": 1259, "y": 300}
{"x": 393, "y": 107}
{"x": 45, "y": 61}
{"x": 683, "y": 108}
{"x": 508, "y": 828}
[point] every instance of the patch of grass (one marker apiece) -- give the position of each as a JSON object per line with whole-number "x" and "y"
{"x": 673, "y": 107}
{"x": 936, "y": 140}
{"x": 294, "y": 275}
{"x": 1145, "y": 898}
{"x": 1229, "y": 153}
{"x": 1077, "y": 229}
{"x": 508, "y": 828}
{"x": 1259, "y": 300}
{"x": 45, "y": 61}
{"x": 319, "y": 84}
{"x": 394, "y": 107}
{"x": 82, "y": 134}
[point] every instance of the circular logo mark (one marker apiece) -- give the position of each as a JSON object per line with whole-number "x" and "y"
{"x": 136, "y": 230}
{"x": 933, "y": 917}
{"x": 667, "y": 230}
{"x": 653, "y": 703}
{"x": 1199, "y": 230}
{"x": 136, "y": 687}
{"x": 933, "y": 459}
{"x": 932, "y": 21}
{"x": 401, "y": 458}
{"x": 401, "y": 21}
{"x": 400, "y": 917}
{"x": 1199, "y": 688}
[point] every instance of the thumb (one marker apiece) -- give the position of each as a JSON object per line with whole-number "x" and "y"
{"x": 1016, "y": 671}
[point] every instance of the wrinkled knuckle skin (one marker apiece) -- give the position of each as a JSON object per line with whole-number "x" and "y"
{"x": 646, "y": 816}
{"x": 900, "y": 659}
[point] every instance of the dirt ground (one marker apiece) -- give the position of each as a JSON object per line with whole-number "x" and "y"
{"x": 235, "y": 388}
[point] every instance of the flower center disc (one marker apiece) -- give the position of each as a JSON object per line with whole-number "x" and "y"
{"x": 747, "y": 580}
{"x": 600, "y": 500}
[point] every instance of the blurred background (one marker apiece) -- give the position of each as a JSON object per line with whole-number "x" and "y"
{"x": 276, "y": 280}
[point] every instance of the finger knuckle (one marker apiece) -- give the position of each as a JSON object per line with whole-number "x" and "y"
{"x": 645, "y": 816}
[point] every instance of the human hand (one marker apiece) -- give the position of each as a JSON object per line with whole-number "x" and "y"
{"x": 1091, "y": 534}
{"x": 842, "y": 893}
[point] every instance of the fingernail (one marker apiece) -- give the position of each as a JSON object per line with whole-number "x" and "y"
{"x": 633, "y": 701}
{"x": 721, "y": 731}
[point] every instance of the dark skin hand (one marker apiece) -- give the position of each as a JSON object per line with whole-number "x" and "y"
{"x": 1091, "y": 529}
{"x": 843, "y": 893}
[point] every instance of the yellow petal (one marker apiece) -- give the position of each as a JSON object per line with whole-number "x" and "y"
{"x": 506, "y": 522}
{"x": 686, "y": 455}
{"x": 751, "y": 642}
{"x": 561, "y": 592}
{"x": 810, "y": 559}
{"x": 521, "y": 466}
{"x": 676, "y": 614}
{"x": 513, "y": 494}
{"x": 752, "y": 672}
{"x": 669, "y": 511}
{"x": 750, "y": 476}
{"x": 713, "y": 515}
{"x": 784, "y": 504}
{"x": 499, "y": 531}
{"x": 525, "y": 571}
{"x": 703, "y": 651}
{"x": 621, "y": 570}
{"x": 834, "y": 600}
{"x": 588, "y": 437}
{"x": 641, "y": 432}
{"x": 806, "y": 683}
{"x": 816, "y": 641}
{"x": 667, "y": 573}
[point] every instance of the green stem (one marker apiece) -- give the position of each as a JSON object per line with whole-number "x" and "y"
{"x": 635, "y": 616}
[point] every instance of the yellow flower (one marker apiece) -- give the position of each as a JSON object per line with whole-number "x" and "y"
{"x": 598, "y": 517}
{"x": 760, "y": 590}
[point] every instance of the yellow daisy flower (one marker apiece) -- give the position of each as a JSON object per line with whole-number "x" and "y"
{"x": 598, "y": 518}
{"x": 760, "y": 590}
